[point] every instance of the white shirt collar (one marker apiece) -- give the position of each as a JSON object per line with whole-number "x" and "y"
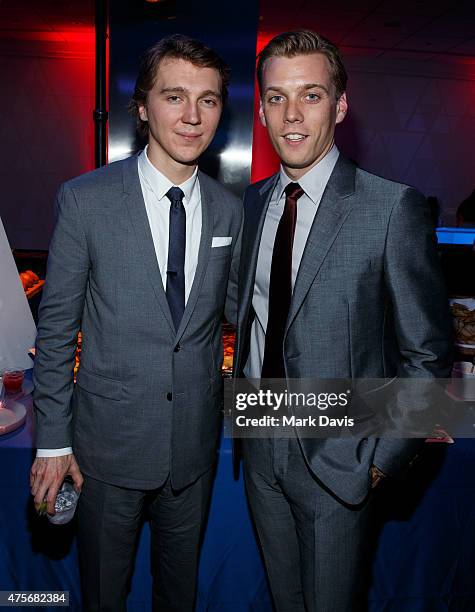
{"x": 159, "y": 184}
{"x": 314, "y": 181}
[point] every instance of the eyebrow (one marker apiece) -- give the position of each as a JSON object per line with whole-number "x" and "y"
{"x": 304, "y": 87}
{"x": 208, "y": 92}
{"x": 173, "y": 90}
{"x": 211, "y": 92}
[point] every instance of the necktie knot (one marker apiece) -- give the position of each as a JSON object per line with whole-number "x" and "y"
{"x": 175, "y": 195}
{"x": 294, "y": 191}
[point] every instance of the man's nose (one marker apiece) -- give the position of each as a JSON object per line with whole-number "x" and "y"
{"x": 293, "y": 113}
{"x": 192, "y": 114}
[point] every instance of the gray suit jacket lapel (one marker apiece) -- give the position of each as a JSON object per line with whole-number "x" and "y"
{"x": 332, "y": 212}
{"x": 255, "y": 240}
{"x": 138, "y": 217}
{"x": 207, "y": 224}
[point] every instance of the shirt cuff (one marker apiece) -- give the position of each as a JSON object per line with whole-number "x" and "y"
{"x": 54, "y": 452}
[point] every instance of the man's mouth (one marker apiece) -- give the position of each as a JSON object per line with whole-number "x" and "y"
{"x": 189, "y": 136}
{"x": 294, "y": 137}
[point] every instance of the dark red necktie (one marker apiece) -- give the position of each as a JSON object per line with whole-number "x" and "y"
{"x": 280, "y": 286}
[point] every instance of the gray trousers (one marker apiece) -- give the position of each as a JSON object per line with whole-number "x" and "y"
{"x": 109, "y": 522}
{"x": 316, "y": 549}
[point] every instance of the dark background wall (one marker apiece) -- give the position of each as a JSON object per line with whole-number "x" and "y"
{"x": 46, "y": 102}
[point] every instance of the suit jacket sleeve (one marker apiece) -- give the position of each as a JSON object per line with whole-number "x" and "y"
{"x": 231, "y": 305}
{"x": 59, "y": 321}
{"x": 420, "y": 309}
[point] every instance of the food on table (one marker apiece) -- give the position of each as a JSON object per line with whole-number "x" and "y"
{"x": 464, "y": 322}
{"x": 29, "y": 279}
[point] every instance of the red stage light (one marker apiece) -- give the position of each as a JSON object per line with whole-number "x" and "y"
{"x": 264, "y": 159}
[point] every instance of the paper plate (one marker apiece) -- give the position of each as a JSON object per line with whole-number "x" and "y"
{"x": 12, "y": 416}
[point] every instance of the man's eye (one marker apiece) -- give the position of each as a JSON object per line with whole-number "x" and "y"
{"x": 275, "y": 99}
{"x": 173, "y": 98}
{"x": 209, "y": 102}
{"x": 312, "y": 97}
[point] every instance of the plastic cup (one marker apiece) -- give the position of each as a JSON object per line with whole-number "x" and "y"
{"x": 65, "y": 505}
{"x": 13, "y": 380}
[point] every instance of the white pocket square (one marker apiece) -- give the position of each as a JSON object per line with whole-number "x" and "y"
{"x": 220, "y": 241}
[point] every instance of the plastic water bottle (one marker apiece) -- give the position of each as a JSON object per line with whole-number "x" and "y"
{"x": 65, "y": 505}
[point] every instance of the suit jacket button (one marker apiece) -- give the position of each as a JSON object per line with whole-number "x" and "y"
{"x": 177, "y": 349}
{"x": 169, "y": 396}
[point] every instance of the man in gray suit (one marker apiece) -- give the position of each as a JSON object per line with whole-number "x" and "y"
{"x": 339, "y": 278}
{"x": 140, "y": 261}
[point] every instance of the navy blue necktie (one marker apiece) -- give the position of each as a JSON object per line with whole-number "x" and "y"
{"x": 176, "y": 255}
{"x": 280, "y": 286}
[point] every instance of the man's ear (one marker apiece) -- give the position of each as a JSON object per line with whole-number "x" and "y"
{"x": 341, "y": 108}
{"x": 143, "y": 112}
{"x": 261, "y": 115}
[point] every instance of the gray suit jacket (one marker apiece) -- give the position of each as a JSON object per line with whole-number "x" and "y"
{"x": 369, "y": 302}
{"x": 147, "y": 400}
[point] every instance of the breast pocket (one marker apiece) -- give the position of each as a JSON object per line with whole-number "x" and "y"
{"x": 353, "y": 269}
{"x": 220, "y": 251}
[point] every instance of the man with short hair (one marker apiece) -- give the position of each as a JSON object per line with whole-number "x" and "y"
{"x": 140, "y": 260}
{"x": 339, "y": 278}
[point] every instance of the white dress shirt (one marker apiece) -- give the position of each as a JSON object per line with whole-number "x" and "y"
{"x": 155, "y": 186}
{"x": 313, "y": 183}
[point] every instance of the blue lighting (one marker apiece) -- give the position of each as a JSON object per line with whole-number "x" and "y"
{"x": 455, "y": 235}
{"x": 125, "y": 85}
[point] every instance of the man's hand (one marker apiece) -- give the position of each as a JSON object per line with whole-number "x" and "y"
{"x": 46, "y": 476}
{"x": 376, "y": 476}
